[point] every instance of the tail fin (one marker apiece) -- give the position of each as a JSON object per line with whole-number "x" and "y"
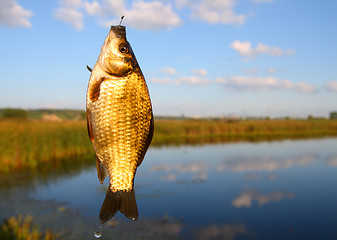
{"x": 123, "y": 201}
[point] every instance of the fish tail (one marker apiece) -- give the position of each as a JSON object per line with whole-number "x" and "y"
{"x": 123, "y": 201}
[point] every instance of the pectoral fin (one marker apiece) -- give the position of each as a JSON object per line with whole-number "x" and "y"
{"x": 89, "y": 127}
{"x": 89, "y": 68}
{"x": 95, "y": 89}
{"x": 101, "y": 170}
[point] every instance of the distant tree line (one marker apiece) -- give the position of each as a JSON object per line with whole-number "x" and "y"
{"x": 80, "y": 114}
{"x": 14, "y": 113}
{"x": 333, "y": 115}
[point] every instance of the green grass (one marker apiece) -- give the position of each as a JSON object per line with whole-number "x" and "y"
{"x": 28, "y": 143}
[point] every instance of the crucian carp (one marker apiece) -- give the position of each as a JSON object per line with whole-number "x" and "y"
{"x": 119, "y": 121}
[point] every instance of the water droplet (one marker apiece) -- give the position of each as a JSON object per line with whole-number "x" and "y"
{"x": 97, "y": 234}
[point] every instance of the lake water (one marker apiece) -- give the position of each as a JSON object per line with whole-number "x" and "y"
{"x": 266, "y": 190}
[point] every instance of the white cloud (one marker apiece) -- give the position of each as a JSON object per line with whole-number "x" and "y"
{"x": 69, "y": 12}
{"x": 245, "y": 49}
{"x": 213, "y": 11}
{"x": 271, "y": 70}
{"x": 169, "y": 70}
{"x": 199, "y": 79}
{"x": 69, "y": 15}
{"x": 199, "y": 72}
{"x": 151, "y": 15}
{"x": 142, "y": 15}
{"x": 331, "y": 86}
{"x": 113, "y": 7}
{"x": 246, "y": 83}
{"x": 193, "y": 80}
{"x": 260, "y": 1}
{"x": 251, "y": 71}
{"x": 245, "y": 199}
{"x": 93, "y": 8}
{"x": 14, "y": 15}
{"x": 163, "y": 81}
{"x": 71, "y": 3}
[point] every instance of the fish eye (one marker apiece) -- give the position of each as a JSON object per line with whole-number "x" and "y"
{"x": 123, "y": 48}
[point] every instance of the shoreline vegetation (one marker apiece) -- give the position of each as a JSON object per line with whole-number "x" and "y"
{"x": 22, "y": 227}
{"x": 27, "y": 143}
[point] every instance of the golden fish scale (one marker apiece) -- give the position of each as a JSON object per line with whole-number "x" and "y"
{"x": 121, "y": 119}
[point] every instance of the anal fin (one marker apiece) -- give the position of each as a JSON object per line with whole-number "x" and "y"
{"x": 101, "y": 170}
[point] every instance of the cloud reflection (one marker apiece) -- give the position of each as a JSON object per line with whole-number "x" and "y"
{"x": 169, "y": 177}
{"x": 198, "y": 171}
{"x": 263, "y": 163}
{"x": 245, "y": 199}
{"x": 227, "y": 231}
{"x": 192, "y": 167}
{"x": 161, "y": 167}
{"x": 331, "y": 161}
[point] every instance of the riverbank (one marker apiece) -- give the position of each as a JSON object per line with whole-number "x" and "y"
{"x": 28, "y": 143}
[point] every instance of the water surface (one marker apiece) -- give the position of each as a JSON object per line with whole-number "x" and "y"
{"x": 267, "y": 190}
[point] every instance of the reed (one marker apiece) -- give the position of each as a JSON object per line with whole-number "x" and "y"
{"x": 25, "y": 143}
{"x": 22, "y": 228}
{"x": 191, "y": 130}
{"x": 29, "y": 143}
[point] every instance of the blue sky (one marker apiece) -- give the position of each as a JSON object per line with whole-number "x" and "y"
{"x": 200, "y": 58}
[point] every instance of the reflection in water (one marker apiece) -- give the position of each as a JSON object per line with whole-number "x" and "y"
{"x": 46, "y": 173}
{"x": 197, "y": 169}
{"x": 205, "y": 192}
{"x": 150, "y": 228}
{"x": 245, "y": 198}
{"x": 332, "y": 161}
{"x": 162, "y": 167}
{"x": 192, "y": 167}
{"x": 170, "y": 177}
{"x": 227, "y": 231}
{"x": 263, "y": 163}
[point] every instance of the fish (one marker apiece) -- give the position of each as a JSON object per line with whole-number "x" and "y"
{"x": 119, "y": 121}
